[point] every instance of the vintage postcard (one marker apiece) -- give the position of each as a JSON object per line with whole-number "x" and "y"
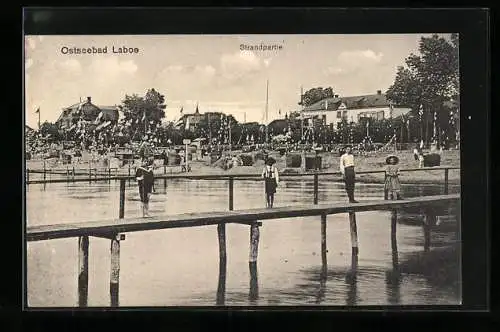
{"x": 242, "y": 170}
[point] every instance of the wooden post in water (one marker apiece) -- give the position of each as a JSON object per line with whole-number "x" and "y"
{"x": 115, "y": 271}
{"x": 428, "y": 222}
{"x": 231, "y": 193}
{"x": 67, "y": 174}
{"x": 109, "y": 174}
{"x": 254, "y": 242}
{"x": 221, "y": 288}
{"x": 354, "y": 233}
{"x": 252, "y": 264}
{"x": 122, "y": 199}
{"x": 386, "y": 193}
{"x": 324, "y": 251}
{"x": 44, "y": 171}
{"x": 83, "y": 270}
{"x": 73, "y": 174}
{"x": 315, "y": 188}
{"x": 446, "y": 181}
{"x": 27, "y": 175}
{"x": 394, "y": 243}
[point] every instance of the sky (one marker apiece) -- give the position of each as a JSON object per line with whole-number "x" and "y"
{"x": 209, "y": 70}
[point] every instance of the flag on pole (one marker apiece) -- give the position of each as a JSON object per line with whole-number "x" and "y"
{"x": 37, "y": 110}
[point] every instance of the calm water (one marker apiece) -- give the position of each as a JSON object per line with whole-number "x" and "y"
{"x": 180, "y": 266}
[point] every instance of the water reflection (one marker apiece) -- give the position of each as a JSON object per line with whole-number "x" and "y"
{"x": 393, "y": 277}
{"x": 351, "y": 280}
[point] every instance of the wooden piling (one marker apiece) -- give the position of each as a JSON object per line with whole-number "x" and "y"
{"x": 115, "y": 272}
{"x": 252, "y": 264}
{"x": 446, "y": 181}
{"x": 316, "y": 188}
{"x": 27, "y": 175}
{"x": 428, "y": 221}
{"x": 386, "y": 192}
{"x": 83, "y": 270}
{"x": 254, "y": 242}
{"x": 231, "y": 193}
{"x": 44, "y": 171}
{"x": 253, "y": 295}
{"x": 122, "y": 198}
{"x": 73, "y": 174}
{"x": 354, "y": 233}
{"x": 221, "y": 288}
{"x": 394, "y": 243}
{"x": 324, "y": 251}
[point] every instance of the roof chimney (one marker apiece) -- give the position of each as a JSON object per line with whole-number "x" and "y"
{"x": 89, "y": 100}
{"x": 379, "y": 92}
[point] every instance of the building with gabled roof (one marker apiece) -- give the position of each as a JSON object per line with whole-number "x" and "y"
{"x": 352, "y": 109}
{"x": 87, "y": 111}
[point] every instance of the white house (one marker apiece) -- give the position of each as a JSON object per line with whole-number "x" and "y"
{"x": 333, "y": 110}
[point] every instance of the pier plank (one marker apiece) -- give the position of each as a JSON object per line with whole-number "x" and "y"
{"x": 135, "y": 224}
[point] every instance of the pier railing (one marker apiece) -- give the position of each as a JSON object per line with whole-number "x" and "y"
{"x": 232, "y": 177}
{"x": 115, "y": 229}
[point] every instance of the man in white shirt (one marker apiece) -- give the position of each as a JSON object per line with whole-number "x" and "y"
{"x": 347, "y": 170}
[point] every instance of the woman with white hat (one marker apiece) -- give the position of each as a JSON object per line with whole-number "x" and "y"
{"x": 392, "y": 184}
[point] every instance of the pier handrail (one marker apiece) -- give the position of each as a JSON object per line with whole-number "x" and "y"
{"x": 135, "y": 224}
{"x": 235, "y": 176}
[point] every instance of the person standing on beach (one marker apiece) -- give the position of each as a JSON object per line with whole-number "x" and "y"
{"x": 145, "y": 181}
{"x": 392, "y": 184}
{"x": 271, "y": 179}
{"x": 348, "y": 174}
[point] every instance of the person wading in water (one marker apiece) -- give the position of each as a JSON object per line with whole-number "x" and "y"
{"x": 145, "y": 181}
{"x": 347, "y": 170}
{"x": 271, "y": 180}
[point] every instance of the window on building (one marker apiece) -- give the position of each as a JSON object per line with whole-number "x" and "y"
{"x": 344, "y": 114}
{"x": 324, "y": 118}
{"x": 339, "y": 114}
{"x": 380, "y": 115}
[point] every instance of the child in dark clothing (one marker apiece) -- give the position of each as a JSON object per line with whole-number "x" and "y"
{"x": 145, "y": 181}
{"x": 271, "y": 179}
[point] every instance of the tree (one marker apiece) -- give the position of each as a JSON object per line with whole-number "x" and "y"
{"x": 316, "y": 94}
{"x": 430, "y": 79}
{"x": 49, "y": 128}
{"x": 145, "y": 113}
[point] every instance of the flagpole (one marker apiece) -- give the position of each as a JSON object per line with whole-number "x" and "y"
{"x": 302, "y": 113}
{"x": 38, "y": 118}
{"x": 267, "y": 100}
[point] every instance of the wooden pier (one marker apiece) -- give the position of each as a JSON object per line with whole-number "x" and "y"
{"x": 114, "y": 231}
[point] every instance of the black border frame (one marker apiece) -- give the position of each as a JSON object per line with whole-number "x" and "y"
{"x": 471, "y": 24}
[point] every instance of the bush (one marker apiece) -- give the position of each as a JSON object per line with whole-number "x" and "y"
{"x": 293, "y": 160}
{"x": 246, "y": 159}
